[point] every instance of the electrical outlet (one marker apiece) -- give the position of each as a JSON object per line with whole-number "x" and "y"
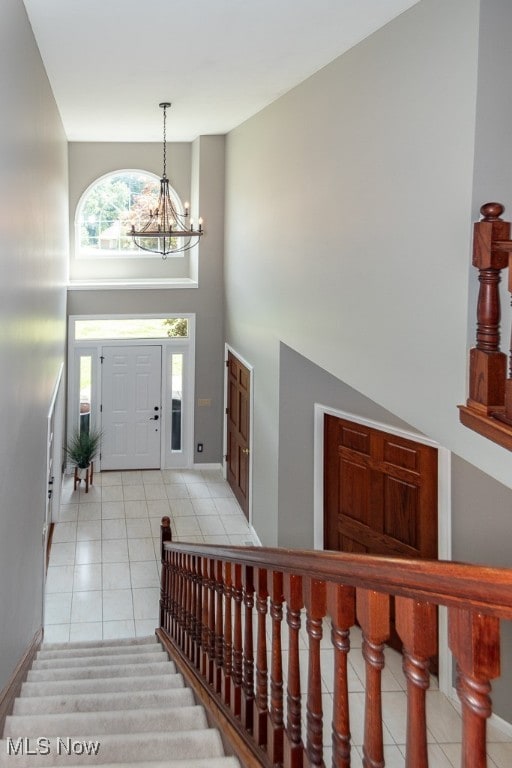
{"x": 199, "y": 447}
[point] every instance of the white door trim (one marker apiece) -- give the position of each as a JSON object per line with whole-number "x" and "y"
{"x": 169, "y": 345}
{"x": 444, "y": 510}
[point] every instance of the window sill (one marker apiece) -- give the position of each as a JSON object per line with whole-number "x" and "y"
{"x": 135, "y": 284}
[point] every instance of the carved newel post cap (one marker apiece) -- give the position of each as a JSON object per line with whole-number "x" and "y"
{"x": 166, "y": 522}
{"x": 492, "y": 211}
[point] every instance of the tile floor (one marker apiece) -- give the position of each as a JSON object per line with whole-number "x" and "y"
{"x": 103, "y": 582}
{"x": 103, "y": 573}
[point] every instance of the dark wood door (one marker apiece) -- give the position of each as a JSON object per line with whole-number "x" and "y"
{"x": 380, "y": 493}
{"x": 238, "y": 430}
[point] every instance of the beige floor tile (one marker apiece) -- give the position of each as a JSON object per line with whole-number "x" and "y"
{"x": 138, "y": 528}
{"x": 116, "y": 576}
{"x": 115, "y": 551}
{"x": 63, "y": 553}
{"x": 114, "y": 528}
{"x": 113, "y": 630}
{"x": 117, "y": 605}
{"x": 88, "y": 552}
{"x": 87, "y": 577}
{"x": 112, "y": 509}
{"x": 59, "y": 578}
{"x": 92, "y": 630}
{"x": 134, "y": 492}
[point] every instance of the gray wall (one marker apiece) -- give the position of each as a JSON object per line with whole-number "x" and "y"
{"x": 348, "y": 210}
{"x": 301, "y": 385}
{"x": 33, "y": 263}
{"x": 348, "y": 281}
{"x": 199, "y": 175}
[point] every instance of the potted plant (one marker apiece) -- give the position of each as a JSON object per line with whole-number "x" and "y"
{"x": 81, "y": 450}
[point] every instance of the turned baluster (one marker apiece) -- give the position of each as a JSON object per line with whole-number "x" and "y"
{"x": 261, "y": 700}
{"x": 372, "y": 610}
{"x": 190, "y": 608}
{"x": 474, "y": 639}
{"x": 315, "y": 602}
{"x": 341, "y": 608}
{"x": 193, "y": 615}
{"x": 248, "y": 650}
{"x": 487, "y": 367}
{"x": 219, "y": 629}
{"x": 275, "y": 717}
{"x": 179, "y": 598}
{"x": 227, "y": 670}
{"x": 182, "y": 601}
{"x": 198, "y": 633}
{"x": 211, "y": 621}
{"x": 293, "y": 748}
{"x": 236, "y": 691}
{"x": 174, "y": 594}
{"x": 416, "y": 623}
{"x": 205, "y": 640}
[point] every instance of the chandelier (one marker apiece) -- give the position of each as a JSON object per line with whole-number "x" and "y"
{"x": 167, "y": 230}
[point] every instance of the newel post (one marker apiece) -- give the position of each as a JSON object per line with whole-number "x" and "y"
{"x": 487, "y": 364}
{"x": 165, "y": 535}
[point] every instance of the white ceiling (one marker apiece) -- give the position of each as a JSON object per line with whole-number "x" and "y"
{"x": 110, "y": 62}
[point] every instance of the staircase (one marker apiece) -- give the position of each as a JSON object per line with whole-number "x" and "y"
{"x": 112, "y": 703}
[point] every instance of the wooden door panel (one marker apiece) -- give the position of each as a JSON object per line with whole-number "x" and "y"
{"x": 400, "y": 511}
{"x": 238, "y": 430}
{"x": 380, "y": 494}
{"x": 401, "y": 455}
{"x": 354, "y": 497}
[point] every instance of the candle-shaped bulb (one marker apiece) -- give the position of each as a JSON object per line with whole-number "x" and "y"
{"x": 200, "y": 224}
{"x": 192, "y": 224}
{"x": 187, "y": 209}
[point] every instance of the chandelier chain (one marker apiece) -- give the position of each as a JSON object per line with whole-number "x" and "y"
{"x": 165, "y": 141}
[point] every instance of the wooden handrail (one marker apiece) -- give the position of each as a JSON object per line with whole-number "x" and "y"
{"x": 250, "y": 596}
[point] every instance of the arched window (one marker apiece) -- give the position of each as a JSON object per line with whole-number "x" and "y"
{"x": 109, "y": 207}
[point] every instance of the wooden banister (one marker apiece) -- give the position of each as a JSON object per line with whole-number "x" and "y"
{"x": 225, "y": 611}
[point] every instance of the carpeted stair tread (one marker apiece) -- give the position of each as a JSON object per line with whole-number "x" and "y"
{"x": 83, "y": 673}
{"x": 131, "y": 748}
{"x": 116, "y": 703}
{"x": 100, "y": 702}
{"x": 103, "y": 685}
{"x": 133, "y": 641}
{"x": 111, "y": 650}
{"x": 83, "y": 724}
{"x": 100, "y": 661}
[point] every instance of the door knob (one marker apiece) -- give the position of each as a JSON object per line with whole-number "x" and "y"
{"x": 245, "y": 450}
{"x": 153, "y": 418}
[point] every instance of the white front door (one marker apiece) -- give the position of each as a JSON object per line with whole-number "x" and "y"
{"x": 131, "y": 386}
